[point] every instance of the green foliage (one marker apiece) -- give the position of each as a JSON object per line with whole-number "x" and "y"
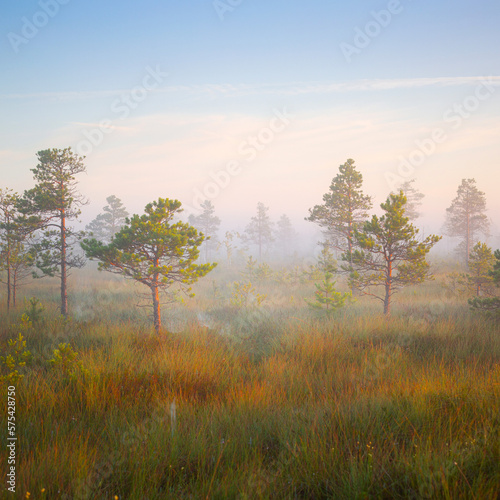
{"x": 327, "y": 299}
{"x": 344, "y": 207}
{"x": 489, "y": 305}
{"x": 326, "y": 263}
{"x": 258, "y": 272}
{"x": 244, "y": 295}
{"x": 65, "y": 360}
{"x": 34, "y": 310}
{"x": 391, "y": 257}
{"x": 481, "y": 262}
{"x": 17, "y": 256}
{"x": 264, "y": 272}
{"x": 54, "y": 201}
{"x": 250, "y": 268}
{"x": 15, "y": 358}
{"x": 153, "y": 250}
{"x": 457, "y": 284}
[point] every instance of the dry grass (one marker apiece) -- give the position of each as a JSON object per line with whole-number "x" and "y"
{"x": 277, "y": 404}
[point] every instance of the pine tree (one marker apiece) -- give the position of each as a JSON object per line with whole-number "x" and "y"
{"x": 285, "y": 235}
{"x": 259, "y": 231}
{"x": 107, "y": 224}
{"x": 481, "y": 262}
{"x": 54, "y": 201}
{"x": 327, "y": 298}
{"x": 229, "y": 246}
{"x": 326, "y": 263}
{"x": 390, "y": 255}
{"x": 414, "y": 200}
{"x": 208, "y": 223}
{"x": 345, "y": 208}
{"x": 153, "y": 250}
{"x": 16, "y": 254}
{"x": 490, "y": 305}
{"x": 466, "y": 217}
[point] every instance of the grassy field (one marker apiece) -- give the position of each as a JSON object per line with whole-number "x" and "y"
{"x": 255, "y": 402}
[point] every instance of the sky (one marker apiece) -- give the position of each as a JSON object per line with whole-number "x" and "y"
{"x": 246, "y": 101}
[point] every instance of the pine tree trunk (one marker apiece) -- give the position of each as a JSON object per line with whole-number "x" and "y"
{"x": 388, "y": 288}
{"x": 156, "y": 308}
{"x": 467, "y": 243}
{"x": 64, "y": 288}
{"x": 8, "y": 281}
{"x": 14, "y": 290}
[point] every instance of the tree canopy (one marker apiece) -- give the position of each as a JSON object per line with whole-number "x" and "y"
{"x": 344, "y": 208}
{"x": 153, "y": 250}
{"x": 390, "y": 255}
{"x": 107, "y": 224}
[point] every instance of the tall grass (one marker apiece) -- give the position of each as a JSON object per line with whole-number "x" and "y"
{"x": 279, "y": 404}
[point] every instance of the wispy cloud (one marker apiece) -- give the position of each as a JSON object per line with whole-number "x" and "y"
{"x": 97, "y": 125}
{"x": 289, "y": 89}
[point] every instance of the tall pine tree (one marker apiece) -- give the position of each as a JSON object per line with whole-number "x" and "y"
{"x": 208, "y": 223}
{"x": 55, "y": 201}
{"x": 466, "y": 218}
{"x": 344, "y": 208}
{"x": 107, "y": 224}
{"x": 260, "y": 231}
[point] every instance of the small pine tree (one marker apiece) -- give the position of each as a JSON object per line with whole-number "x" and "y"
{"x": 489, "y": 305}
{"x": 481, "y": 262}
{"x": 327, "y": 298}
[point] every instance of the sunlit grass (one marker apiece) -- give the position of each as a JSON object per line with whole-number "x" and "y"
{"x": 280, "y": 404}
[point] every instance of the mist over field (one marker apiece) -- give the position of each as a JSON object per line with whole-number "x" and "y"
{"x": 249, "y": 250}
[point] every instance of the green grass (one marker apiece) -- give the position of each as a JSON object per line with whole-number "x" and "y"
{"x": 273, "y": 404}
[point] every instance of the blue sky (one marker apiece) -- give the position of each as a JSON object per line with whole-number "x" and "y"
{"x": 220, "y": 82}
